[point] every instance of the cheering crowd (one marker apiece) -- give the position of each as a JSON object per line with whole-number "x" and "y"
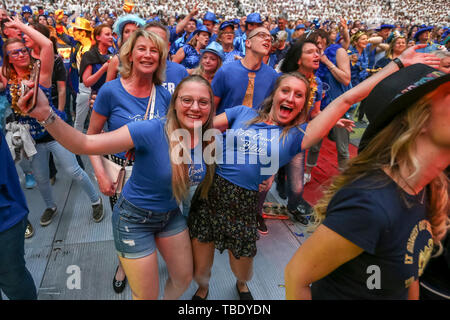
{"x": 205, "y": 109}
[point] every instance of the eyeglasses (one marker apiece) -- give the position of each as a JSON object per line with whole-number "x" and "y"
{"x": 15, "y": 53}
{"x": 228, "y": 33}
{"x": 188, "y": 101}
{"x": 262, "y": 35}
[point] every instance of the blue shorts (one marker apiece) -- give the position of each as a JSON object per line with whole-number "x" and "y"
{"x": 135, "y": 229}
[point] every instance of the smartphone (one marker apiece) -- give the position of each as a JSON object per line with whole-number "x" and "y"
{"x": 34, "y": 76}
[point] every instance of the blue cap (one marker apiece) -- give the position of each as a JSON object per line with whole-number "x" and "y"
{"x": 216, "y": 48}
{"x": 254, "y": 18}
{"x": 300, "y": 26}
{"x": 229, "y": 23}
{"x": 236, "y": 21}
{"x": 209, "y": 16}
{"x": 27, "y": 9}
{"x": 420, "y": 31}
{"x": 201, "y": 29}
{"x": 385, "y": 26}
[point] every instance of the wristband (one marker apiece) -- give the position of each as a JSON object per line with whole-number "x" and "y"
{"x": 399, "y": 63}
{"x": 50, "y": 119}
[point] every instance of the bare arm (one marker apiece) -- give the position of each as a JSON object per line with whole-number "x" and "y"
{"x": 340, "y": 71}
{"x": 61, "y": 85}
{"x": 220, "y": 122}
{"x": 105, "y": 184}
{"x": 344, "y": 33}
{"x": 322, "y": 124}
{"x": 322, "y": 253}
{"x": 46, "y": 54}
{"x": 90, "y": 79}
{"x": 113, "y": 67}
{"x": 183, "y": 23}
{"x": 179, "y": 56}
{"x": 106, "y": 143}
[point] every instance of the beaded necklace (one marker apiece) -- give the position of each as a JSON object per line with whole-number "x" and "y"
{"x": 313, "y": 87}
{"x": 14, "y": 88}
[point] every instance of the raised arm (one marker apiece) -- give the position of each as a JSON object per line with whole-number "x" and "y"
{"x": 183, "y": 23}
{"x": 340, "y": 71}
{"x": 322, "y": 124}
{"x": 112, "y": 142}
{"x": 46, "y": 50}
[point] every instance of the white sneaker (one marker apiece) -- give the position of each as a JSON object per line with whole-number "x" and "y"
{"x": 306, "y": 178}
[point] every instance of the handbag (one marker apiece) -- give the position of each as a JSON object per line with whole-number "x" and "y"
{"x": 121, "y": 173}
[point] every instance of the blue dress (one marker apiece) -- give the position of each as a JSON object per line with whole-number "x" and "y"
{"x": 335, "y": 88}
{"x": 191, "y": 57}
{"x": 359, "y": 69}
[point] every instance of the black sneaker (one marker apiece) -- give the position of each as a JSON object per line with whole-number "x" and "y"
{"x": 47, "y": 216}
{"x": 97, "y": 211}
{"x": 261, "y": 225}
{"x": 29, "y": 231}
{"x": 281, "y": 192}
{"x": 298, "y": 216}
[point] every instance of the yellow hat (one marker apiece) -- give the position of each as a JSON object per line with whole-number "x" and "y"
{"x": 59, "y": 14}
{"x": 83, "y": 24}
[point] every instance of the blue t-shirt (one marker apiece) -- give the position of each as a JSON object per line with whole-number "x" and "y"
{"x": 230, "y": 56}
{"x": 13, "y": 206}
{"x": 395, "y": 237}
{"x": 120, "y": 107}
{"x": 252, "y": 154}
{"x": 231, "y": 80}
{"x": 174, "y": 74}
{"x": 150, "y": 184}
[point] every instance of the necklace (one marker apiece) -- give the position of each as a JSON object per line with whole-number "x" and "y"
{"x": 416, "y": 194}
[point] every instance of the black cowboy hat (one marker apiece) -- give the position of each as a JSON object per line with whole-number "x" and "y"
{"x": 397, "y": 93}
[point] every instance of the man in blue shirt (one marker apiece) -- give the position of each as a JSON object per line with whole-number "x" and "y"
{"x": 252, "y": 22}
{"x": 15, "y": 280}
{"x": 282, "y": 25}
{"x": 248, "y": 81}
{"x": 209, "y": 21}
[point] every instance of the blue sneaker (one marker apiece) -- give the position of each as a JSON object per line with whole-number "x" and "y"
{"x": 30, "y": 183}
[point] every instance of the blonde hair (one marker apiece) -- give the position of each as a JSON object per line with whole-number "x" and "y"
{"x": 126, "y": 67}
{"x": 200, "y": 70}
{"x": 266, "y": 106}
{"x": 393, "y": 148}
{"x": 180, "y": 172}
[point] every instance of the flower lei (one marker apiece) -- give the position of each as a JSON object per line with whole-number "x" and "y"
{"x": 14, "y": 89}
{"x": 313, "y": 90}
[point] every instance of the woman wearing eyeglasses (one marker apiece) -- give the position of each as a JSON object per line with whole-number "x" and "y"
{"x": 226, "y": 38}
{"x": 147, "y": 215}
{"x": 16, "y": 68}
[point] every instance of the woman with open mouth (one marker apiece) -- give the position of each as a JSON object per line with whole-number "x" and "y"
{"x": 190, "y": 54}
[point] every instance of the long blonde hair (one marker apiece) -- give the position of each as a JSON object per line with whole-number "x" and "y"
{"x": 180, "y": 172}
{"x": 393, "y": 148}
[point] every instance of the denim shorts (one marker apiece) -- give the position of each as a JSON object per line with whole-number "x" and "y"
{"x": 135, "y": 229}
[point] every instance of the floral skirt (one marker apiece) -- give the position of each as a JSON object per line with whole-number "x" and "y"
{"x": 227, "y": 218}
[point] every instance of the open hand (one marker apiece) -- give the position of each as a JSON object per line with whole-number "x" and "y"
{"x": 346, "y": 123}
{"x": 410, "y": 57}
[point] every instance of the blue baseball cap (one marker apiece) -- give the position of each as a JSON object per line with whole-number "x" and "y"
{"x": 209, "y": 16}
{"x": 229, "y": 23}
{"x": 254, "y": 18}
{"x": 300, "y": 26}
{"x": 216, "y": 48}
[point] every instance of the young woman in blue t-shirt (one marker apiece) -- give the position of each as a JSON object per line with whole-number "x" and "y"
{"x": 147, "y": 214}
{"x": 226, "y": 220}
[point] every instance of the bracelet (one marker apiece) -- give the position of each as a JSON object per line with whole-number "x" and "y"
{"x": 50, "y": 119}
{"x": 399, "y": 63}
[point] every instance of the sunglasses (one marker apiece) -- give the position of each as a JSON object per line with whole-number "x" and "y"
{"x": 15, "y": 53}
